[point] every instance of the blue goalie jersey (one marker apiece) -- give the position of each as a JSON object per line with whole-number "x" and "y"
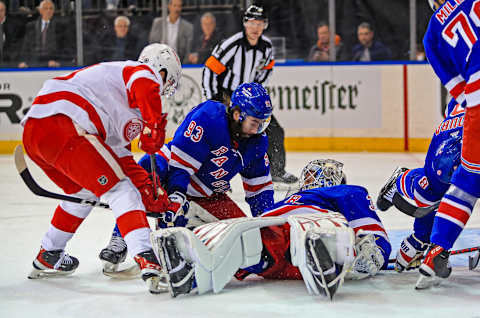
{"x": 451, "y": 37}
{"x": 352, "y": 201}
{"x": 202, "y": 159}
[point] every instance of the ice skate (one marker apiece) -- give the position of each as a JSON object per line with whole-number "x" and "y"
{"x": 53, "y": 263}
{"x": 321, "y": 265}
{"x": 180, "y": 273}
{"x": 385, "y": 196}
{"x": 286, "y": 177}
{"x": 114, "y": 254}
{"x": 434, "y": 268}
{"x": 151, "y": 272}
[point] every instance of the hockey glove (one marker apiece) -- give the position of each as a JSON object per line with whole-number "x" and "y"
{"x": 369, "y": 258}
{"x": 153, "y": 136}
{"x": 176, "y": 211}
{"x": 410, "y": 254}
{"x": 153, "y": 204}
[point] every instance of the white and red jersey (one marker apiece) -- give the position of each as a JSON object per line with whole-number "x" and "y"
{"x": 112, "y": 100}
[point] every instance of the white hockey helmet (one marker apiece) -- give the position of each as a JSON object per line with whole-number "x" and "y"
{"x": 435, "y": 4}
{"x": 161, "y": 57}
{"x": 321, "y": 173}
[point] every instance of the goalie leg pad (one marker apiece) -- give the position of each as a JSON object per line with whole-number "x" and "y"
{"x": 216, "y": 250}
{"x": 336, "y": 237}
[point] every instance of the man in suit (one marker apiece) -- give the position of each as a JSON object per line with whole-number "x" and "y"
{"x": 179, "y": 32}
{"x": 11, "y": 31}
{"x": 119, "y": 45}
{"x": 203, "y": 45}
{"x": 43, "y": 42}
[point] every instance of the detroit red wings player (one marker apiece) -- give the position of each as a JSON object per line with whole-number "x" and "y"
{"x": 79, "y": 130}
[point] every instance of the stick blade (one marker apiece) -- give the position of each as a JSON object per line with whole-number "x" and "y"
{"x": 20, "y": 163}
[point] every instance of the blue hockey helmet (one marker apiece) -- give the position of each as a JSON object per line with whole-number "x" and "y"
{"x": 322, "y": 173}
{"x": 435, "y": 4}
{"x": 253, "y": 100}
{"x": 447, "y": 158}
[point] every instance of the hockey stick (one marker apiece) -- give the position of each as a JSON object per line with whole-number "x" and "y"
{"x": 38, "y": 190}
{"x": 454, "y": 252}
{"x": 409, "y": 209}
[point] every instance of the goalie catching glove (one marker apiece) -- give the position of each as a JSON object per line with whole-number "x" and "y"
{"x": 153, "y": 136}
{"x": 176, "y": 210}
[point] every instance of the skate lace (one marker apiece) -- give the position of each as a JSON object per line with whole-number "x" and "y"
{"x": 63, "y": 259}
{"x": 117, "y": 244}
{"x": 390, "y": 193}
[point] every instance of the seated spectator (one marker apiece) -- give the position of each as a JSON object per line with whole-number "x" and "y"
{"x": 369, "y": 49}
{"x": 202, "y": 48}
{"x": 120, "y": 44}
{"x": 11, "y": 32}
{"x": 43, "y": 42}
{"x": 179, "y": 32}
{"x": 320, "y": 51}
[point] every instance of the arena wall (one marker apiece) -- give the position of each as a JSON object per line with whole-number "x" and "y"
{"x": 322, "y": 107}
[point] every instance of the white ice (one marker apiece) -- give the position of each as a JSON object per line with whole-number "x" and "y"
{"x": 87, "y": 293}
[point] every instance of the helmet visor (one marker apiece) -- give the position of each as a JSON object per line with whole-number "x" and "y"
{"x": 253, "y": 125}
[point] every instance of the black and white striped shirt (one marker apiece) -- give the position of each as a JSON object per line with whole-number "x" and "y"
{"x": 234, "y": 61}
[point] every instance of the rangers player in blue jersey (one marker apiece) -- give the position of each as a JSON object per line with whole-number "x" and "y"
{"x": 212, "y": 145}
{"x": 452, "y": 48}
{"x": 426, "y": 185}
{"x": 325, "y": 232}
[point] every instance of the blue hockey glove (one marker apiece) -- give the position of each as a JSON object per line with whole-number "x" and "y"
{"x": 176, "y": 211}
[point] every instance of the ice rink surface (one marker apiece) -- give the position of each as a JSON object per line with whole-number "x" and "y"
{"x": 88, "y": 293}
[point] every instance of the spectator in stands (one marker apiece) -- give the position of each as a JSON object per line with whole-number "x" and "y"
{"x": 178, "y": 33}
{"x": 43, "y": 42}
{"x": 320, "y": 51}
{"x": 203, "y": 47}
{"x": 120, "y": 44}
{"x": 369, "y": 49}
{"x": 11, "y": 31}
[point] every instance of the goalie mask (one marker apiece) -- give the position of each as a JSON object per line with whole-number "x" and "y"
{"x": 322, "y": 173}
{"x": 161, "y": 57}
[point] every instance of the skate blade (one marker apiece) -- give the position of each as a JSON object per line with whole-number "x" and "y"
{"x": 157, "y": 284}
{"x": 46, "y": 273}
{"x": 128, "y": 273}
{"x": 425, "y": 282}
{"x": 473, "y": 261}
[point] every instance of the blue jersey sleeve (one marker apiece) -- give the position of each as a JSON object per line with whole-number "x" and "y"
{"x": 257, "y": 181}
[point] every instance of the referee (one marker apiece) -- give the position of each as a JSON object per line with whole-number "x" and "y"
{"x": 246, "y": 57}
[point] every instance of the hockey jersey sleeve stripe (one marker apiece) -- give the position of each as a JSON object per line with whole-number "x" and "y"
{"x": 129, "y": 71}
{"x": 184, "y": 159}
{"x": 199, "y": 186}
{"x": 140, "y": 74}
{"x": 215, "y": 65}
{"x": 78, "y": 101}
{"x": 266, "y": 187}
{"x": 256, "y": 187}
{"x": 367, "y": 223}
{"x": 257, "y": 180}
{"x": 177, "y": 162}
{"x": 270, "y": 65}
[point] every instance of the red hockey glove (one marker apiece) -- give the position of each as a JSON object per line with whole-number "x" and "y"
{"x": 153, "y": 136}
{"x": 152, "y": 204}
